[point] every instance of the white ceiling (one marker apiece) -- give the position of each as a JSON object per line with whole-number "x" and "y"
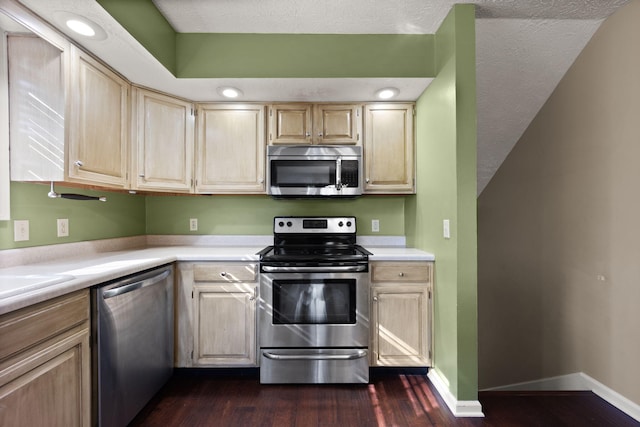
{"x": 524, "y": 47}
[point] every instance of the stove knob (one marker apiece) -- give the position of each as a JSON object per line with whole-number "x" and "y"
{"x": 289, "y": 224}
{"x": 281, "y": 224}
{"x": 340, "y": 224}
{"x": 348, "y": 223}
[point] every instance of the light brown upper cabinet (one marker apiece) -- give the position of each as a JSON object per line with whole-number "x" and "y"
{"x": 98, "y": 129}
{"x": 38, "y": 73}
{"x": 389, "y": 149}
{"x": 162, "y": 132}
{"x": 339, "y": 124}
{"x": 230, "y": 148}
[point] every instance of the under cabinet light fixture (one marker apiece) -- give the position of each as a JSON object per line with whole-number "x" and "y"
{"x": 229, "y": 92}
{"x": 387, "y": 93}
{"x": 54, "y": 195}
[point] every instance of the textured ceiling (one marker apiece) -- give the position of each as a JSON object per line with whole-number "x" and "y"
{"x": 359, "y": 16}
{"x": 524, "y": 47}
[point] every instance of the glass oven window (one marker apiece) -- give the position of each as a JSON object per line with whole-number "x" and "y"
{"x": 329, "y": 301}
{"x": 299, "y": 173}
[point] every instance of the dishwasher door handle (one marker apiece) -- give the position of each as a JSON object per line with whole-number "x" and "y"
{"x": 130, "y": 287}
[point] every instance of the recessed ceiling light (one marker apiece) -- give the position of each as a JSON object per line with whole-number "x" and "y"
{"x": 229, "y": 92}
{"x": 387, "y": 93}
{"x": 81, "y": 27}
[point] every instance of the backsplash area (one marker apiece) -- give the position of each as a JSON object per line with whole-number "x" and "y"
{"x": 253, "y": 215}
{"x": 124, "y": 215}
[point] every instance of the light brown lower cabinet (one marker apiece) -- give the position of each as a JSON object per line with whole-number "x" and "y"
{"x": 216, "y": 314}
{"x": 401, "y": 319}
{"x": 45, "y": 364}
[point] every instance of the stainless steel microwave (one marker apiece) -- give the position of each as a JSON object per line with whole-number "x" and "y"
{"x": 299, "y": 171}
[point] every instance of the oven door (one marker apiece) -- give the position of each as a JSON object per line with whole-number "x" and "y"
{"x": 314, "y": 310}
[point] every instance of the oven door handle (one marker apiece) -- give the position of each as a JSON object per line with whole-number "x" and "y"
{"x": 358, "y": 354}
{"x": 329, "y": 269}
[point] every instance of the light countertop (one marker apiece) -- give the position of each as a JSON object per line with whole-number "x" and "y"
{"x": 29, "y": 284}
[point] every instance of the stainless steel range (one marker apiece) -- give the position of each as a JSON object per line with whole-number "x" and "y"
{"x": 314, "y": 303}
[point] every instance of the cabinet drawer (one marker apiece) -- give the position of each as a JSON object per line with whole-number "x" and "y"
{"x": 401, "y": 272}
{"x": 224, "y": 272}
{"x": 31, "y": 325}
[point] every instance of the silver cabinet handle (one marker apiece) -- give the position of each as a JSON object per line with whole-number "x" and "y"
{"x": 320, "y": 134}
{"x": 366, "y": 180}
{"x": 255, "y": 294}
{"x": 223, "y": 274}
{"x": 375, "y": 298}
{"x": 307, "y": 134}
{"x": 401, "y": 274}
{"x": 79, "y": 163}
{"x": 141, "y": 175}
{"x": 358, "y": 354}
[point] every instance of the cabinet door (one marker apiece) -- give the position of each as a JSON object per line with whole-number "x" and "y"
{"x": 54, "y": 390}
{"x": 290, "y": 124}
{"x": 163, "y": 131}
{"x": 99, "y": 123}
{"x": 337, "y": 124}
{"x": 224, "y": 325}
{"x": 231, "y": 147}
{"x": 37, "y": 80}
{"x": 389, "y": 148}
{"x": 45, "y": 364}
{"x": 401, "y": 334}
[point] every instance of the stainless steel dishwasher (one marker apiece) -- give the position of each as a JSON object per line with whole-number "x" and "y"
{"x": 132, "y": 321}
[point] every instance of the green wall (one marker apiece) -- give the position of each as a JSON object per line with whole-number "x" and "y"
{"x": 146, "y": 24}
{"x": 222, "y": 55}
{"x": 303, "y": 55}
{"x": 253, "y": 215}
{"x": 446, "y": 183}
{"x": 130, "y": 215}
{"x": 121, "y": 215}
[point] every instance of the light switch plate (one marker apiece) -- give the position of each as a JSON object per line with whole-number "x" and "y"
{"x": 193, "y": 224}
{"x": 375, "y": 225}
{"x": 446, "y": 230}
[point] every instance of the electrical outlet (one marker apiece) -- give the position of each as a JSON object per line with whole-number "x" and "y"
{"x": 375, "y": 225}
{"x": 63, "y": 227}
{"x": 446, "y": 230}
{"x": 193, "y": 224}
{"x": 21, "y": 230}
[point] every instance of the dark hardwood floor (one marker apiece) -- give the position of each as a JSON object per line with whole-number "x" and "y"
{"x": 398, "y": 400}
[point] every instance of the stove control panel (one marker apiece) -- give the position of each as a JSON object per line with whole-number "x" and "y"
{"x": 314, "y": 225}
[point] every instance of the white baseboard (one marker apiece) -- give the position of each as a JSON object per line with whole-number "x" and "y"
{"x": 459, "y": 408}
{"x": 616, "y": 399}
{"x": 560, "y": 383}
{"x": 578, "y": 381}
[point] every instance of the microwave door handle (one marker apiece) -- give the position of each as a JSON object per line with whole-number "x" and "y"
{"x": 339, "y": 173}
